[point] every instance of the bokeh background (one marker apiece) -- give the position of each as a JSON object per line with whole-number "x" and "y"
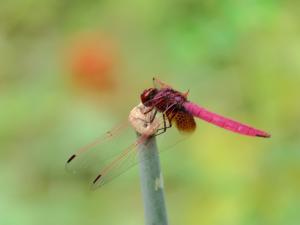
{"x": 70, "y": 70}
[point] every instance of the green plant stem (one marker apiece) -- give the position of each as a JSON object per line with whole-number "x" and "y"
{"x": 152, "y": 184}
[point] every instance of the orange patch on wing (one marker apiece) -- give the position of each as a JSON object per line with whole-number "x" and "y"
{"x": 184, "y": 121}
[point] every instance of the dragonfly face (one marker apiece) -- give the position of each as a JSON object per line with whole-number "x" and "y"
{"x": 148, "y": 95}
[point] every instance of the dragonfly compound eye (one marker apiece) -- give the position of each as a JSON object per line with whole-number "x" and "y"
{"x": 148, "y": 95}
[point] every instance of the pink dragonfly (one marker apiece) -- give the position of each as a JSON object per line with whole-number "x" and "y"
{"x": 175, "y": 107}
{"x": 163, "y": 106}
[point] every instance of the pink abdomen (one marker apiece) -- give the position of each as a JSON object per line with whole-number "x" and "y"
{"x": 223, "y": 122}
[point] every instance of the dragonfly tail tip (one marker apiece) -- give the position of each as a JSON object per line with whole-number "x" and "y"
{"x": 263, "y": 135}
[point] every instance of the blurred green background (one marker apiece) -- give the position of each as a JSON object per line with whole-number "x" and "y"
{"x": 70, "y": 70}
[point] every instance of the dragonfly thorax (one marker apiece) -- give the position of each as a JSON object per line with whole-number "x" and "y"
{"x": 162, "y": 99}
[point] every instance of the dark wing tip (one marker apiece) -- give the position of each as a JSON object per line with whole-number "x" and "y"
{"x": 71, "y": 158}
{"x": 97, "y": 178}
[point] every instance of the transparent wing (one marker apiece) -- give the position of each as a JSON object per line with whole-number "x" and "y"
{"x": 111, "y": 154}
{"x": 129, "y": 157}
{"x": 86, "y": 155}
{"x": 109, "y": 135}
{"x": 160, "y": 84}
{"x": 120, "y": 164}
{"x": 114, "y": 153}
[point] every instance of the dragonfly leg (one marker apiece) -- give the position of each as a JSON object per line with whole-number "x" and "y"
{"x": 164, "y": 129}
{"x": 153, "y": 116}
{"x": 149, "y": 110}
{"x": 156, "y": 101}
{"x": 154, "y": 105}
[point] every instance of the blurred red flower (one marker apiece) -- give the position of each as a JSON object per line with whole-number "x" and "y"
{"x": 91, "y": 62}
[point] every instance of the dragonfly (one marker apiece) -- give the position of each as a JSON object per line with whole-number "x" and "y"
{"x": 161, "y": 107}
{"x": 176, "y": 108}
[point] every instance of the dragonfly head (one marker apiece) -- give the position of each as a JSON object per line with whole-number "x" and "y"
{"x": 148, "y": 95}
